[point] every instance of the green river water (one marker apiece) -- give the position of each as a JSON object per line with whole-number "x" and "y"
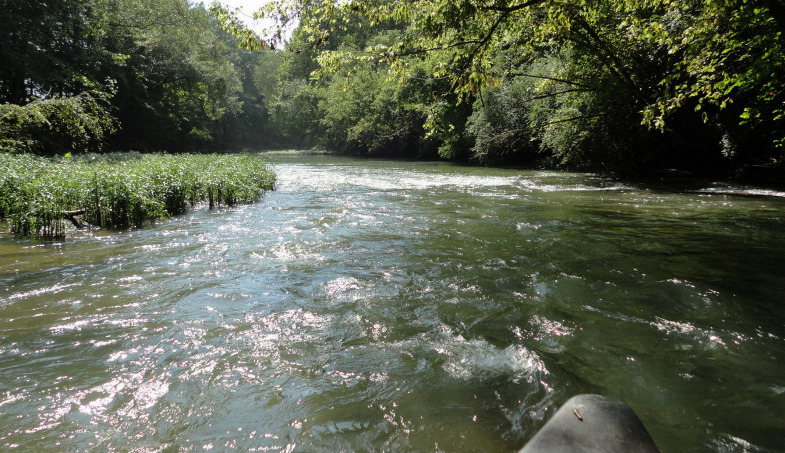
{"x": 401, "y": 307}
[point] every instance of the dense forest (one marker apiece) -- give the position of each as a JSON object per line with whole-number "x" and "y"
{"x": 625, "y": 87}
{"x": 144, "y": 75}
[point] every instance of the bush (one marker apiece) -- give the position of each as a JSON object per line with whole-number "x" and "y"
{"x": 56, "y": 126}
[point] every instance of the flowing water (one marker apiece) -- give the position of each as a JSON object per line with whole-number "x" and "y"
{"x": 401, "y": 307}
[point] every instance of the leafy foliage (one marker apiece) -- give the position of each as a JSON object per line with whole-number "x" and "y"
{"x": 176, "y": 80}
{"x": 57, "y": 125}
{"x": 50, "y": 48}
{"x": 661, "y": 81}
{"x": 363, "y": 109}
{"x": 501, "y": 127}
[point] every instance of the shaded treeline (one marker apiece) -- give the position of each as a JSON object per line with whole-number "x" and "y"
{"x": 147, "y": 75}
{"x": 625, "y": 87}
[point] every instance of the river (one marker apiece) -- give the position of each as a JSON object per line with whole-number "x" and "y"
{"x": 371, "y": 305}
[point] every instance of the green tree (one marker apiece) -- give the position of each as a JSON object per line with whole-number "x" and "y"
{"x": 355, "y": 108}
{"x": 50, "y": 48}
{"x": 692, "y": 71}
{"x": 59, "y": 125}
{"x": 53, "y": 98}
{"x": 179, "y": 82}
{"x": 366, "y": 113}
{"x": 176, "y": 81}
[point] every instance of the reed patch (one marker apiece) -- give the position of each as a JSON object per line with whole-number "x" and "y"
{"x": 38, "y": 196}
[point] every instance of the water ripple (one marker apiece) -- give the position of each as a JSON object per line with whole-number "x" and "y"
{"x": 383, "y": 306}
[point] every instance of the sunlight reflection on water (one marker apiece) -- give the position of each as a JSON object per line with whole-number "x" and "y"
{"x": 380, "y": 306}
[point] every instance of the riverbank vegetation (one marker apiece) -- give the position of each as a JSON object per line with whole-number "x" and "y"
{"x": 41, "y": 196}
{"x": 84, "y": 77}
{"x": 624, "y": 87}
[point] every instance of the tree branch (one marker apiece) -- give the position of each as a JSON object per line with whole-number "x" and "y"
{"x": 482, "y": 42}
{"x": 512, "y": 9}
{"x": 554, "y": 79}
{"x": 557, "y": 93}
{"x": 567, "y": 120}
{"x": 612, "y": 62}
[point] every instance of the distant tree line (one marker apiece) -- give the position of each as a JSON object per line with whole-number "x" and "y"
{"x": 146, "y": 75}
{"x": 630, "y": 87}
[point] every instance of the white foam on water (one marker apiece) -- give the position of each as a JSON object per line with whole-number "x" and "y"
{"x": 742, "y": 190}
{"x": 328, "y": 178}
{"x": 477, "y": 358}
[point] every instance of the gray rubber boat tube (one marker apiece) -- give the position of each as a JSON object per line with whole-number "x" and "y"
{"x": 592, "y": 424}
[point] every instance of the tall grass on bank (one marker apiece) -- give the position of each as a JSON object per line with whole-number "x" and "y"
{"x": 122, "y": 190}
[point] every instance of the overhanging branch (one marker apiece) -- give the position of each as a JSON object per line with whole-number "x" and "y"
{"x": 512, "y": 9}
{"x": 554, "y": 79}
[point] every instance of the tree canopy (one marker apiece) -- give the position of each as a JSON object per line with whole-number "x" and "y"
{"x": 86, "y": 75}
{"x": 623, "y": 84}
